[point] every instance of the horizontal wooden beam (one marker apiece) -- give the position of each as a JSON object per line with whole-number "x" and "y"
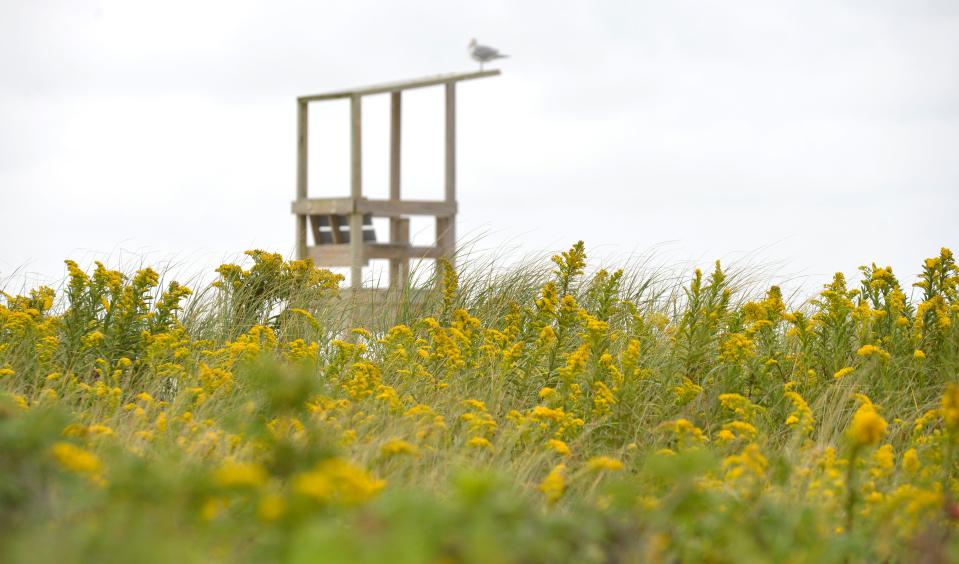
{"x": 321, "y": 206}
{"x": 387, "y": 208}
{"x": 398, "y": 86}
{"x": 339, "y": 255}
{"x": 328, "y": 256}
{"x": 378, "y": 208}
{"x": 399, "y": 251}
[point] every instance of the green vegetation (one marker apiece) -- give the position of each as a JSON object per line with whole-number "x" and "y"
{"x": 538, "y": 415}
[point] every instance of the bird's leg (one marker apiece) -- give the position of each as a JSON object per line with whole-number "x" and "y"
{"x": 481, "y": 66}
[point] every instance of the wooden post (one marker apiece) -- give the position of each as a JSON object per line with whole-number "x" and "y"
{"x": 395, "y": 135}
{"x": 449, "y": 231}
{"x": 446, "y": 226}
{"x": 450, "y": 176}
{"x": 356, "y": 191}
{"x": 402, "y": 265}
{"x": 302, "y": 142}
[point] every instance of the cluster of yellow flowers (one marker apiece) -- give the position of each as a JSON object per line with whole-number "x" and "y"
{"x": 576, "y": 385}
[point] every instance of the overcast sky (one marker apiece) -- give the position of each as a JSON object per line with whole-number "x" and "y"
{"x": 813, "y": 135}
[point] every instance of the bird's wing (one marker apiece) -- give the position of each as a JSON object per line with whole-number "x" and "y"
{"x": 485, "y": 53}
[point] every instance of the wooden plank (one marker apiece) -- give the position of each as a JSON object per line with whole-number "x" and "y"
{"x": 399, "y": 267}
{"x": 356, "y": 147}
{"x": 446, "y": 226}
{"x": 315, "y": 224}
{"x": 399, "y": 86}
{"x": 356, "y": 250}
{"x": 328, "y": 256}
{"x": 323, "y": 206}
{"x": 445, "y": 233}
{"x": 450, "y": 172}
{"x": 378, "y": 208}
{"x": 335, "y": 229}
{"x": 396, "y": 120}
{"x": 356, "y": 190}
{"x": 342, "y": 254}
{"x": 302, "y": 143}
{"x": 400, "y": 251}
{"x": 387, "y": 208}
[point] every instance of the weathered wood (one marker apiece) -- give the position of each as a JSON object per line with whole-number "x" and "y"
{"x": 335, "y": 229}
{"x": 397, "y": 86}
{"x": 340, "y": 247}
{"x": 342, "y": 254}
{"x": 356, "y": 189}
{"x": 315, "y": 226}
{"x": 302, "y": 143}
{"x": 446, "y": 226}
{"x": 323, "y": 206}
{"x": 386, "y": 208}
{"x": 450, "y": 172}
{"x": 329, "y": 256}
{"x": 377, "y": 208}
{"x": 396, "y": 121}
{"x": 445, "y": 242}
{"x": 399, "y": 267}
{"x": 400, "y": 250}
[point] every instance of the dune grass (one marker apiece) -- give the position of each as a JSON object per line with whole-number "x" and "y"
{"x": 524, "y": 414}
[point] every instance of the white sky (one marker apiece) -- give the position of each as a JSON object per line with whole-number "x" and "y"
{"x": 815, "y": 135}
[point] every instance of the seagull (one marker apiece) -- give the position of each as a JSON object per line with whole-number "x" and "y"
{"x": 484, "y": 54}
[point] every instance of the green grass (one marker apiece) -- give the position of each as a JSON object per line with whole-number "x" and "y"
{"x": 524, "y": 414}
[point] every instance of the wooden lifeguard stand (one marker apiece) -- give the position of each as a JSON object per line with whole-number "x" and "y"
{"x": 342, "y": 228}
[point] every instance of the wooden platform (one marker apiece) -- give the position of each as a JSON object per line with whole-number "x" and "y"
{"x": 334, "y": 221}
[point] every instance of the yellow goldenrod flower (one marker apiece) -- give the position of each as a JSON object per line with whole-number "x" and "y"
{"x": 480, "y": 442}
{"x": 93, "y": 339}
{"x": 212, "y": 508}
{"x": 548, "y": 393}
{"x": 554, "y": 484}
{"x": 558, "y": 447}
{"x": 883, "y": 461}
{"x": 950, "y": 407}
{"x": 600, "y": 463}
{"x": 271, "y": 507}
{"x": 867, "y": 427}
{"x": 843, "y": 372}
{"x": 337, "y": 481}
{"x": 873, "y": 350}
{"x": 475, "y": 404}
{"x": 76, "y": 460}
{"x": 394, "y": 447}
{"x": 910, "y": 461}
{"x": 687, "y": 391}
{"x": 239, "y": 475}
{"x": 749, "y": 463}
{"x": 801, "y": 417}
{"x": 686, "y": 432}
{"x": 737, "y": 348}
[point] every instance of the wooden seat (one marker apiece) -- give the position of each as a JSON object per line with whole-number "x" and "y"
{"x": 334, "y": 229}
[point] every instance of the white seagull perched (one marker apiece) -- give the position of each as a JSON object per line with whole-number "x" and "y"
{"x": 484, "y": 54}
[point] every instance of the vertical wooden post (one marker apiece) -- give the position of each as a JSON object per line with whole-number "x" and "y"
{"x": 446, "y": 226}
{"x": 302, "y": 143}
{"x": 450, "y": 175}
{"x": 356, "y": 191}
{"x": 396, "y": 278}
{"x": 403, "y": 265}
